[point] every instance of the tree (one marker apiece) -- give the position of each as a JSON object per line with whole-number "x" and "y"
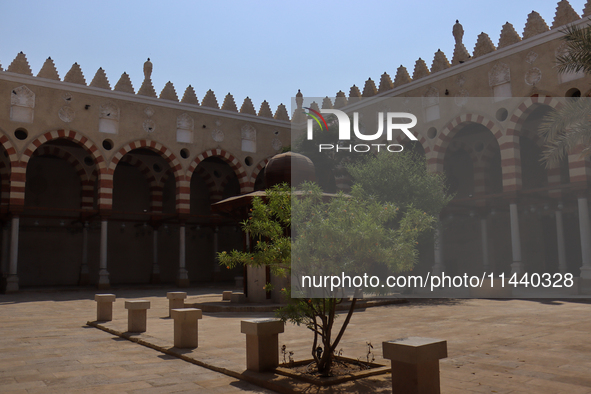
{"x": 345, "y": 232}
{"x": 570, "y": 125}
{"x": 401, "y": 179}
{"x": 346, "y": 236}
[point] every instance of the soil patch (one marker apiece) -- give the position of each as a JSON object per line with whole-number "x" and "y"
{"x": 343, "y": 370}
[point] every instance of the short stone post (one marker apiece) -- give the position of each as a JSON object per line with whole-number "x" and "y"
{"x": 237, "y": 297}
{"x": 262, "y": 343}
{"x": 104, "y": 306}
{"x": 137, "y": 315}
{"x": 176, "y": 300}
{"x": 186, "y": 327}
{"x": 415, "y": 364}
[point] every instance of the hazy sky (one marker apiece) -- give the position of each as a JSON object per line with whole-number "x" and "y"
{"x": 266, "y": 50}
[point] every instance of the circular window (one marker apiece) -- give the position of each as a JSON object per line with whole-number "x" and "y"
{"x": 185, "y": 153}
{"x": 479, "y": 147}
{"x": 88, "y": 161}
{"x": 502, "y": 114}
{"x": 574, "y": 92}
{"x": 108, "y": 144}
{"x": 157, "y": 167}
{"x": 248, "y": 161}
{"x": 217, "y": 174}
{"x": 432, "y": 132}
{"x": 21, "y": 134}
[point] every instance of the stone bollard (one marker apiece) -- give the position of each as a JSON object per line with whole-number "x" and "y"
{"x": 104, "y": 306}
{"x": 176, "y": 300}
{"x": 415, "y": 364}
{"x": 262, "y": 343}
{"x": 137, "y": 315}
{"x": 185, "y": 327}
{"x": 226, "y": 295}
{"x": 238, "y": 298}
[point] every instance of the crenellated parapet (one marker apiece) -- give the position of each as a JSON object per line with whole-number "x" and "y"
{"x": 20, "y": 65}
{"x": 535, "y": 25}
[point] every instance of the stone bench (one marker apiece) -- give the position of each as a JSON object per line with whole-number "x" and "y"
{"x": 186, "y": 327}
{"x": 104, "y": 306}
{"x": 137, "y": 315}
{"x": 176, "y": 300}
{"x": 415, "y": 364}
{"x": 226, "y": 295}
{"x": 262, "y": 343}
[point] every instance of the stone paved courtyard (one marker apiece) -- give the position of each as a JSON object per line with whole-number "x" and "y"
{"x": 502, "y": 346}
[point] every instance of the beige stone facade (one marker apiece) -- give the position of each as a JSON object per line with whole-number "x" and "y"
{"x": 510, "y": 213}
{"x": 103, "y": 185}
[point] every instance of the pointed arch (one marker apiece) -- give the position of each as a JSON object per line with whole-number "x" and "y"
{"x": 245, "y": 184}
{"x": 18, "y": 175}
{"x": 181, "y": 184}
{"x": 435, "y": 156}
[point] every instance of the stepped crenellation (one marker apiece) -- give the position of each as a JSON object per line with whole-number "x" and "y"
{"x": 247, "y": 107}
{"x": 421, "y": 69}
{"x": 534, "y": 26}
{"x": 100, "y": 80}
{"x": 369, "y": 90}
{"x": 229, "y": 104}
{"x": 20, "y": 65}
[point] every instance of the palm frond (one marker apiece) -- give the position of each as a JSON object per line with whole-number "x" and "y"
{"x": 578, "y": 50}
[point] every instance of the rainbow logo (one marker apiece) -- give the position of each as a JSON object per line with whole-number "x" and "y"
{"x": 315, "y": 115}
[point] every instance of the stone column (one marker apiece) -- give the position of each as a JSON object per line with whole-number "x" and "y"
{"x": 155, "y": 278}
{"x": 560, "y": 242}
{"x": 103, "y": 282}
{"x": 84, "y": 274}
{"x": 12, "y": 280}
{"x": 438, "y": 267}
{"x": 484, "y": 237}
{"x": 183, "y": 276}
{"x": 216, "y": 266}
{"x": 585, "y": 229}
{"x": 5, "y": 249}
{"x": 517, "y": 266}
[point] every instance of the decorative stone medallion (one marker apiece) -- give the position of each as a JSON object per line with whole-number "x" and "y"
{"x": 217, "y": 135}
{"x": 66, "y": 113}
{"x": 533, "y": 76}
{"x": 149, "y": 125}
{"x": 149, "y": 111}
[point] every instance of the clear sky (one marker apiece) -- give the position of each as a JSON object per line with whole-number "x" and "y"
{"x": 266, "y": 50}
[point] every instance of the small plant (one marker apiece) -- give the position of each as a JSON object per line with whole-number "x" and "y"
{"x": 370, "y": 353}
{"x": 287, "y": 354}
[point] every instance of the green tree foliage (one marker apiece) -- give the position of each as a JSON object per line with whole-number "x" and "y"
{"x": 569, "y": 126}
{"x": 401, "y": 179}
{"x": 342, "y": 233}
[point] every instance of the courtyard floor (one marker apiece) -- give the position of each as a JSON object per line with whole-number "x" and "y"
{"x": 494, "y": 346}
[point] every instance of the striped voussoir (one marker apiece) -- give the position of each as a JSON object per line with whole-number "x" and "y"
{"x": 87, "y": 192}
{"x": 18, "y": 173}
{"x": 256, "y": 171}
{"x": 182, "y": 190}
{"x": 245, "y": 184}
